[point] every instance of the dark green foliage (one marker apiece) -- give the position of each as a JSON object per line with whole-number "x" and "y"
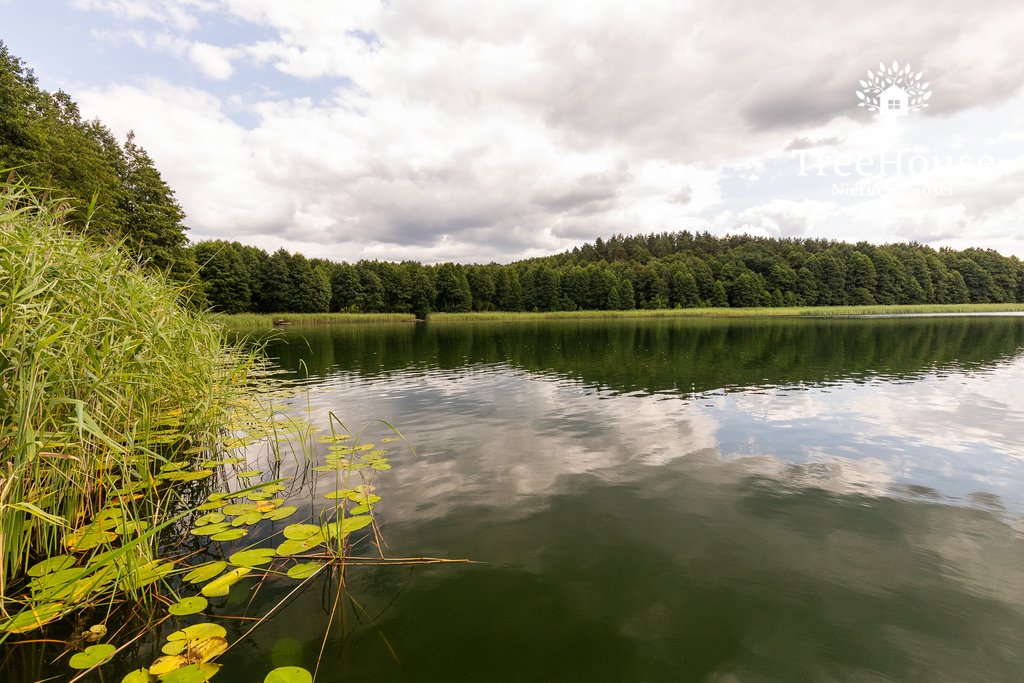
{"x": 453, "y": 293}
{"x": 225, "y": 275}
{"x": 43, "y": 137}
{"x": 721, "y": 272}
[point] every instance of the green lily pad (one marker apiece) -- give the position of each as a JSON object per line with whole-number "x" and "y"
{"x": 211, "y": 506}
{"x": 239, "y": 508}
{"x": 186, "y": 606}
{"x": 304, "y": 570}
{"x": 210, "y": 529}
{"x": 148, "y": 573}
{"x": 295, "y": 546}
{"x": 340, "y": 493}
{"x": 138, "y": 676}
{"x": 229, "y": 535}
{"x": 199, "y": 632}
{"x": 129, "y": 527}
{"x": 32, "y": 617}
{"x": 188, "y": 476}
{"x": 347, "y": 526}
{"x": 259, "y": 495}
{"x": 94, "y": 655}
{"x": 87, "y": 538}
{"x": 253, "y": 558}
{"x": 205, "y": 572}
{"x": 221, "y": 586}
{"x": 51, "y": 564}
{"x": 193, "y": 673}
{"x": 247, "y": 518}
{"x": 210, "y": 518}
{"x": 289, "y": 674}
{"x": 280, "y": 513}
{"x": 298, "y": 532}
{"x": 250, "y": 473}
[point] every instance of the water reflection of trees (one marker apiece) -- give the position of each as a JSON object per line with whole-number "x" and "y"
{"x": 666, "y": 356}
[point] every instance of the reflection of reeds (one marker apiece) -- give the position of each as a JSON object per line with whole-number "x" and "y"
{"x": 788, "y": 311}
{"x": 104, "y": 378}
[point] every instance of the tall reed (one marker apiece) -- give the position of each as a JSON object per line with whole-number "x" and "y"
{"x": 104, "y": 376}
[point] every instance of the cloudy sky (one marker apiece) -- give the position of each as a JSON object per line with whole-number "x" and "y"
{"x": 471, "y": 131}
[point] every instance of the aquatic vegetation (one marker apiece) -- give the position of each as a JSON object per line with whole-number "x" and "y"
{"x": 128, "y": 425}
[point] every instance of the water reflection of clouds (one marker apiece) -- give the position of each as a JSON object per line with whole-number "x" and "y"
{"x": 496, "y": 435}
{"x": 956, "y": 433}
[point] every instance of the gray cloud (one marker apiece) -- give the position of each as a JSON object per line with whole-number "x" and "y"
{"x": 520, "y": 128}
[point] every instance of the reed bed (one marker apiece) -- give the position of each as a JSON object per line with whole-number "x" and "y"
{"x": 104, "y": 376}
{"x": 792, "y": 311}
{"x": 258, "y": 321}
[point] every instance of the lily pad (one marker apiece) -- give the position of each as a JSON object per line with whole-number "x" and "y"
{"x": 247, "y": 518}
{"x": 239, "y": 508}
{"x": 229, "y": 535}
{"x": 253, "y": 558}
{"x": 210, "y": 518}
{"x": 138, "y": 676}
{"x": 298, "y": 532}
{"x": 295, "y": 546}
{"x": 166, "y": 664}
{"x": 51, "y": 564}
{"x": 208, "y": 648}
{"x": 94, "y": 655}
{"x": 205, "y": 572}
{"x": 280, "y": 513}
{"x": 87, "y": 538}
{"x": 340, "y": 493}
{"x": 221, "y": 586}
{"x": 348, "y": 525}
{"x": 32, "y": 617}
{"x": 198, "y": 632}
{"x": 186, "y": 674}
{"x": 193, "y": 673}
{"x": 210, "y": 529}
{"x": 186, "y": 606}
{"x": 289, "y": 674}
{"x": 304, "y": 570}
{"x": 250, "y": 473}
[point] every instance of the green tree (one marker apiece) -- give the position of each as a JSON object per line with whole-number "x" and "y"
{"x": 153, "y": 218}
{"x": 225, "y": 276}
{"x": 453, "y": 293}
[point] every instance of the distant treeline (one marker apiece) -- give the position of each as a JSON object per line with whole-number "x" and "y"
{"x": 45, "y": 140}
{"x": 665, "y": 270}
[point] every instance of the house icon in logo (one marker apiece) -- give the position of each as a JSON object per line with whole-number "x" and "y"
{"x": 892, "y": 102}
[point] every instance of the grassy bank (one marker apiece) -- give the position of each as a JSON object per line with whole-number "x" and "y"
{"x": 106, "y": 384}
{"x": 261, "y": 321}
{"x": 796, "y": 311}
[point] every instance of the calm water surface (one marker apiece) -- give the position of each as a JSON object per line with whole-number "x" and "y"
{"x": 675, "y": 500}
{"x": 685, "y": 500}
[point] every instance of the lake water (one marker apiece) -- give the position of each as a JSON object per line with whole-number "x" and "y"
{"x": 672, "y": 500}
{"x": 705, "y": 500}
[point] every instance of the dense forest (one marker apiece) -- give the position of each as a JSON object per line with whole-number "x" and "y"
{"x": 665, "y": 270}
{"x": 44, "y": 137}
